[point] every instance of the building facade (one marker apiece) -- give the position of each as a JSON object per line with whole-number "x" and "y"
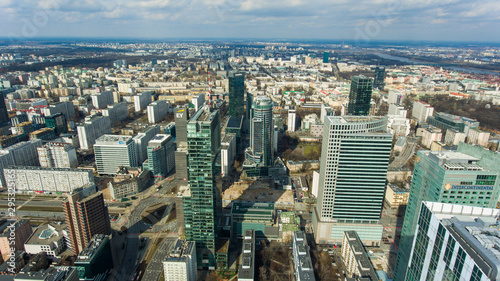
{"x": 19, "y": 154}
{"x": 114, "y": 151}
{"x": 236, "y": 89}
{"x": 57, "y": 155}
{"x": 260, "y": 152}
{"x": 157, "y": 110}
{"x": 302, "y": 264}
{"x": 161, "y": 158}
{"x": 360, "y": 95}
{"x": 180, "y": 263}
{"x": 356, "y": 261}
{"x": 91, "y": 129}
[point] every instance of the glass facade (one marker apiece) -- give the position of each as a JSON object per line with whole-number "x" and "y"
{"x": 360, "y": 95}
{"x": 236, "y": 87}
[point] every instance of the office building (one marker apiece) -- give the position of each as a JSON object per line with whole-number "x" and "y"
{"x": 86, "y": 216}
{"x": 57, "y": 155}
{"x": 360, "y": 95}
{"x": 292, "y": 119}
{"x": 43, "y": 134}
{"x": 91, "y": 129}
{"x": 326, "y": 57}
{"x": 395, "y": 97}
{"x": 227, "y": 153}
{"x": 103, "y": 99}
{"x": 157, "y": 110}
{"x": 303, "y": 267}
{"x": 326, "y": 110}
{"x": 180, "y": 263}
{"x": 141, "y": 100}
{"x": 142, "y": 139}
{"x": 353, "y": 170}
{"x": 66, "y": 108}
{"x": 453, "y": 137}
{"x": 181, "y": 159}
{"x": 447, "y": 121}
{"x": 236, "y": 89}
{"x": 18, "y": 231}
{"x": 260, "y": 152}
{"x": 198, "y": 101}
{"x": 128, "y": 181}
{"x": 246, "y": 270}
{"x": 260, "y": 217}
{"x": 161, "y": 158}
{"x": 19, "y": 154}
{"x": 117, "y": 112}
{"x": 469, "y": 176}
{"x": 455, "y": 242}
{"x": 50, "y": 238}
{"x": 112, "y": 152}
{"x": 58, "y": 122}
{"x": 203, "y": 132}
{"x": 38, "y": 179}
{"x": 378, "y": 82}
{"x": 422, "y": 111}
{"x": 356, "y": 261}
{"x": 4, "y": 114}
{"x": 95, "y": 259}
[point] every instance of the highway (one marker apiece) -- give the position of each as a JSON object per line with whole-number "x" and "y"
{"x": 155, "y": 266}
{"x": 405, "y": 156}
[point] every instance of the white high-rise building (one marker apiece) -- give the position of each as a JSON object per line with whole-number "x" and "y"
{"x": 455, "y": 242}
{"x": 227, "y": 153}
{"x": 292, "y": 117}
{"x": 103, "y": 99}
{"x": 92, "y": 128}
{"x": 141, "y": 100}
{"x": 421, "y": 111}
{"x": 395, "y": 97}
{"x": 198, "y": 101}
{"x": 116, "y": 112}
{"x": 57, "y": 155}
{"x": 141, "y": 141}
{"x": 157, "y": 110}
{"x": 114, "y": 151}
{"x": 180, "y": 263}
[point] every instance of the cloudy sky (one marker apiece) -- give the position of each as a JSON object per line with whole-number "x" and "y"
{"x": 446, "y": 20}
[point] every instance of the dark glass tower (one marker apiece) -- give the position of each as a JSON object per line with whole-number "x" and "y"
{"x": 4, "y": 115}
{"x": 236, "y": 94}
{"x": 203, "y": 137}
{"x": 379, "y": 77}
{"x": 360, "y": 96}
{"x": 326, "y": 56}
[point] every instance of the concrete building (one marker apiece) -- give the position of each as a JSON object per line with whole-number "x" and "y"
{"x": 198, "y": 101}
{"x": 102, "y": 99}
{"x": 58, "y": 122}
{"x": 86, "y": 216}
{"x": 398, "y": 125}
{"x": 43, "y": 134}
{"x": 128, "y": 181}
{"x": 292, "y": 118}
{"x": 395, "y": 97}
{"x": 354, "y": 164}
{"x": 57, "y": 155}
{"x": 397, "y": 110}
{"x": 161, "y": 157}
{"x": 50, "y": 238}
{"x": 157, "y": 110}
{"x": 478, "y": 137}
{"x": 246, "y": 270}
{"x": 57, "y": 273}
{"x": 141, "y": 100}
{"x": 19, "y": 154}
{"x": 66, "y": 108}
{"x": 326, "y": 110}
{"x": 455, "y": 242}
{"x": 396, "y": 196}
{"x": 38, "y": 179}
{"x": 114, "y": 151}
{"x": 141, "y": 141}
{"x": 454, "y": 137}
{"x": 95, "y": 259}
{"x": 468, "y": 176}
{"x": 16, "y": 233}
{"x": 421, "y": 111}
{"x": 227, "y": 153}
{"x": 446, "y": 121}
{"x": 260, "y": 217}
{"x": 180, "y": 263}
{"x": 91, "y": 129}
{"x": 117, "y": 112}
{"x": 431, "y": 135}
{"x": 356, "y": 262}
{"x": 304, "y": 270}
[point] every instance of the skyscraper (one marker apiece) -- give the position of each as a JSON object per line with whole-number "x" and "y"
{"x": 203, "y": 137}
{"x": 114, "y": 151}
{"x": 455, "y": 242}
{"x": 260, "y": 152}
{"x": 469, "y": 176}
{"x": 86, "y": 215}
{"x": 379, "y": 77}
{"x": 236, "y": 94}
{"x": 292, "y": 118}
{"x": 360, "y": 95}
{"x": 326, "y": 56}
{"x": 160, "y": 155}
{"x": 181, "y": 120}
{"x": 353, "y": 172}
{"x": 4, "y": 115}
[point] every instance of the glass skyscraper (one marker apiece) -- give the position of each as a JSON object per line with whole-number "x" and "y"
{"x": 4, "y": 115}
{"x": 260, "y": 152}
{"x": 378, "y": 82}
{"x": 203, "y": 137}
{"x": 356, "y": 151}
{"x": 468, "y": 176}
{"x": 236, "y": 88}
{"x": 360, "y": 95}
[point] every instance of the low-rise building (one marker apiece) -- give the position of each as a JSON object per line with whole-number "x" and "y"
{"x": 49, "y": 238}
{"x": 396, "y": 196}
{"x": 304, "y": 270}
{"x": 246, "y": 270}
{"x": 356, "y": 262}
{"x": 19, "y": 230}
{"x": 128, "y": 181}
{"x": 430, "y": 135}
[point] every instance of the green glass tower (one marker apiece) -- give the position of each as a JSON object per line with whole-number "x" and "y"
{"x": 360, "y": 95}
{"x": 57, "y": 122}
{"x": 203, "y": 137}
{"x": 468, "y": 176}
{"x": 326, "y": 57}
{"x": 236, "y": 94}
{"x": 379, "y": 77}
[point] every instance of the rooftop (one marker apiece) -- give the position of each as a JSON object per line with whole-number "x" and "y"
{"x": 365, "y": 267}
{"x": 95, "y": 244}
{"x": 46, "y": 234}
{"x": 108, "y": 139}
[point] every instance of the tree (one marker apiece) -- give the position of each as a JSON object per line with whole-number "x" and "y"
{"x": 213, "y": 276}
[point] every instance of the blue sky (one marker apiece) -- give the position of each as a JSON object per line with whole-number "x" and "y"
{"x": 442, "y": 20}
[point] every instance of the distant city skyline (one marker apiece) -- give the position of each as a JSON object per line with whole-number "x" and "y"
{"x": 449, "y": 20}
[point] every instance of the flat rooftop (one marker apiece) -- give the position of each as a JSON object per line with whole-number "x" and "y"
{"x": 46, "y": 234}
{"x": 108, "y": 139}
